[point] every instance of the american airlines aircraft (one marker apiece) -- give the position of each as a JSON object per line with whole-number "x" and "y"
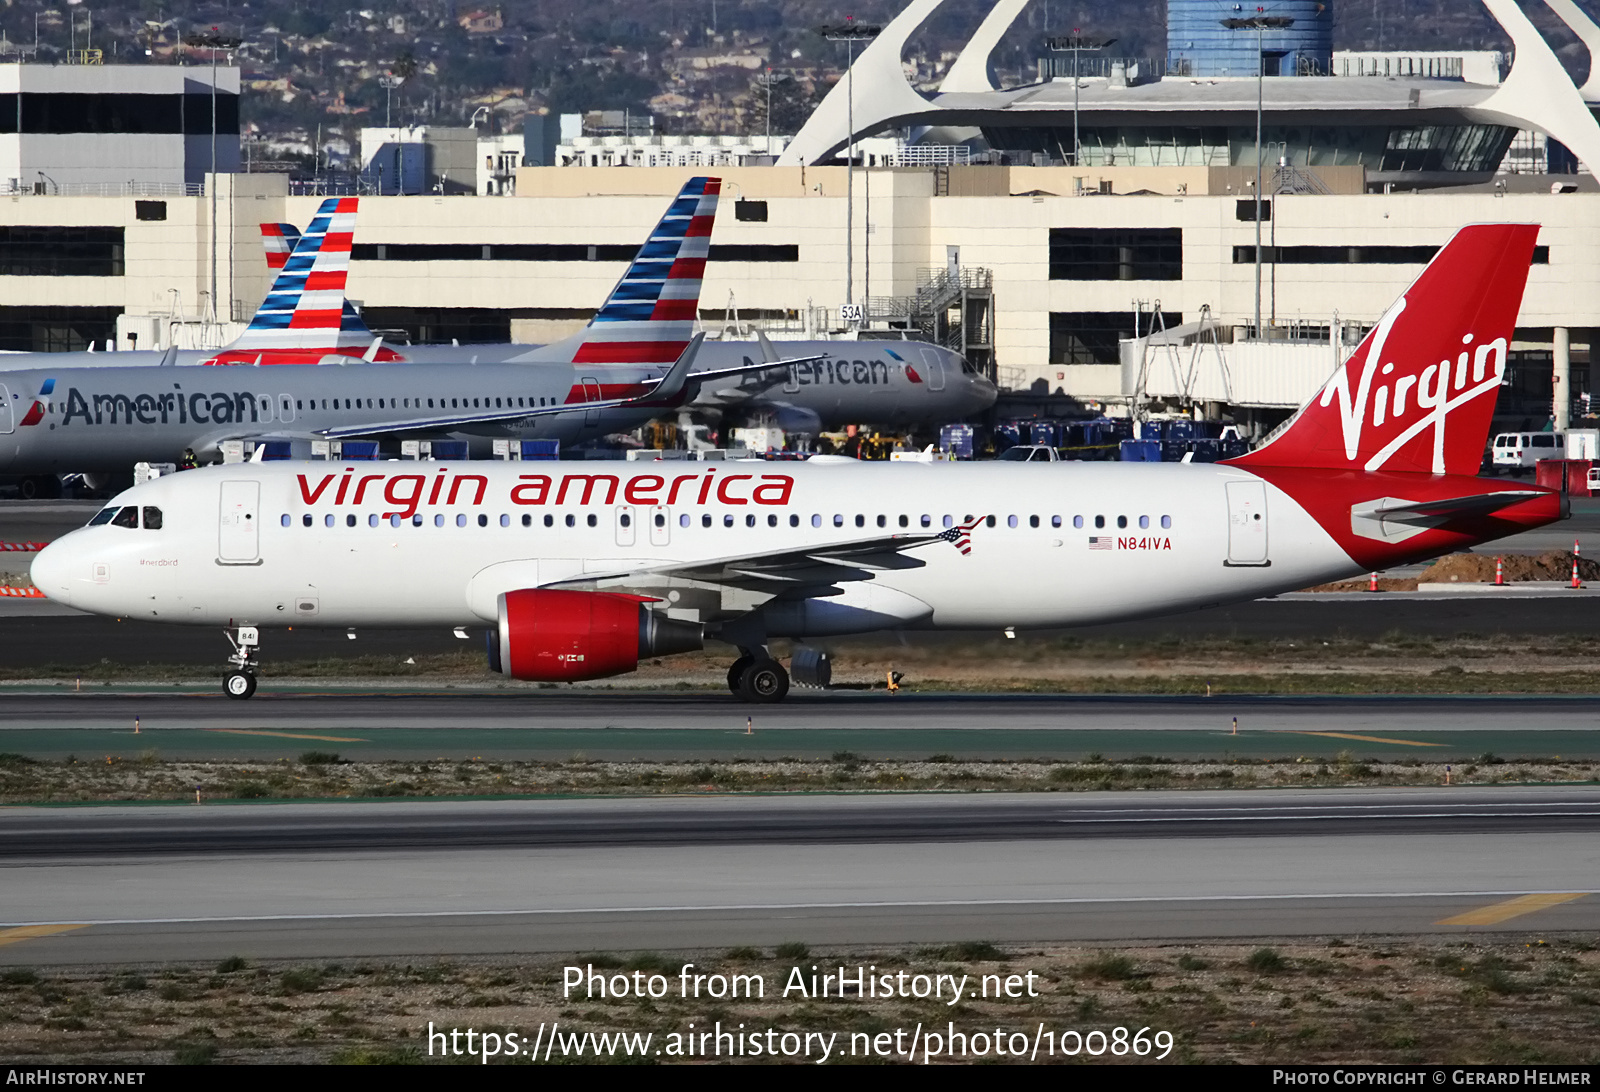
{"x": 838, "y": 382}
{"x": 307, "y": 319}
{"x": 604, "y": 380}
{"x": 578, "y": 571}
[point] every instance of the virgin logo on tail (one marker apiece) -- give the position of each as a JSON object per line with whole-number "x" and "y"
{"x": 1439, "y": 389}
{"x": 1419, "y": 393}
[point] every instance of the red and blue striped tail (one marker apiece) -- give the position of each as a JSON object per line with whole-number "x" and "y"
{"x": 650, "y": 315}
{"x": 305, "y": 316}
{"x": 279, "y": 241}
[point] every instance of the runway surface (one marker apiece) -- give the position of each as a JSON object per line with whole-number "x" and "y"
{"x": 45, "y": 636}
{"x": 308, "y": 881}
{"x": 623, "y": 725}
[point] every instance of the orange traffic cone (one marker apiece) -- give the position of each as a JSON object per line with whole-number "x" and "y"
{"x": 1499, "y": 572}
{"x": 1576, "y": 583}
{"x": 1372, "y": 583}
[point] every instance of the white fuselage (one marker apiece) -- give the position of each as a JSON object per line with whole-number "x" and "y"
{"x": 391, "y": 544}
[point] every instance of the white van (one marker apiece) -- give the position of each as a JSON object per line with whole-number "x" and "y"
{"x": 1519, "y": 451}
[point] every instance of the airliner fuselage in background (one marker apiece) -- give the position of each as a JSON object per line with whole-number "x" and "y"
{"x": 307, "y": 319}
{"x": 107, "y": 419}
{"x": 580, "y": 570}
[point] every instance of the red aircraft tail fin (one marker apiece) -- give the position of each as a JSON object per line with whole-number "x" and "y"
{"x": 1418, "y": 394}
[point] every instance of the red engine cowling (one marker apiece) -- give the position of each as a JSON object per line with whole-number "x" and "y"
{"x": 548, "y": 635}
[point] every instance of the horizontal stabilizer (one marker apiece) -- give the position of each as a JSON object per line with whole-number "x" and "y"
{"x": 1455, "y": 506}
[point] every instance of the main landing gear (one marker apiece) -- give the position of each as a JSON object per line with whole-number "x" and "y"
{"x": 757, "y": 677}
{"x": 240, "y": 681}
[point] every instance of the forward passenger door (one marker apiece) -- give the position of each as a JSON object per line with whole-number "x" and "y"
{"x": 238, "y": 541}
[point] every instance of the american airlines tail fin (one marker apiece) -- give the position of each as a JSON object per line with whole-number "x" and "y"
{"x": 650, "y": 315}
{"x": 279, "y": 241}
{"x": 305, "y": 316}
{"x": 1418, "y": 394}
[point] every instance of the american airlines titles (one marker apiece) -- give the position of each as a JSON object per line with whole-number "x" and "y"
{"x": 410, "y": 491}
{"x": 836, "y": 373}
{"x": 152, "y": 409}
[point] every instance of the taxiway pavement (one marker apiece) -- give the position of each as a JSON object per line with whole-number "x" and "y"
{"x": 407, "y": 724}
{"x": 325, "y": 881}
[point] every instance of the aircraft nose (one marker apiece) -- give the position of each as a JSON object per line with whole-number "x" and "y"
{"x": 54, "y": 568}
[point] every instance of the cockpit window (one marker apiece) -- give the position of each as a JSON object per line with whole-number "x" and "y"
{"x": 128, "y": 517}
{"x": 102, "y": 516}
{"x": 152, "y": 518}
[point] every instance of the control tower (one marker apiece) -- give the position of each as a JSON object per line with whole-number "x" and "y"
{"x": 1199, "y": 45}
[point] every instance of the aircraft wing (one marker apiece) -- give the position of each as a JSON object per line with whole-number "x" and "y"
{"x": 778, "y": 571}
{"x": 769, "y": 362}
{"x": 667, "y": 389}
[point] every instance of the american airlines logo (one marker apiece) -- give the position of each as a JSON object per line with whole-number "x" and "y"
{"x": 1410, "y": 402}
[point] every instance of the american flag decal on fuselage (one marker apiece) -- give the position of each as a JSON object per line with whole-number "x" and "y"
{"x": 1100, "y": 542}
{"x": 960, "y": 536}
{"x": 650, "y": 315}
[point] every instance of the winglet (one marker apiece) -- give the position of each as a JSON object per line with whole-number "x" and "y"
{"x": 768, "y": 353}
{"x": 170, "y": 357}
{"x": 673, "y": 382}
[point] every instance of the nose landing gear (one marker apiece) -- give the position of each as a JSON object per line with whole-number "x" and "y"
{"x": 240, "y": 681}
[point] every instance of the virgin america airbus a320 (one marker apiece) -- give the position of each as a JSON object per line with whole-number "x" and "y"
{"x": 580, "y": 570}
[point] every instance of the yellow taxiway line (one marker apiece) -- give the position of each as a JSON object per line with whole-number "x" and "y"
{"x": 28, "y": 932}
{"x": 1368, "y": 739}
{"x": 287, "y": 735}
{"x": 1495, "y": 913}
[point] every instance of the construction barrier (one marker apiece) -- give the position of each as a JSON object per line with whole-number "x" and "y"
{"x": 21, "y": 593}
{"x": 22, "y": 547}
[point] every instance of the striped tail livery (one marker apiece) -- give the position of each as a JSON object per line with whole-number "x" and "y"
{"x": 305, "y": 317}
{"x": 649, "y": 317}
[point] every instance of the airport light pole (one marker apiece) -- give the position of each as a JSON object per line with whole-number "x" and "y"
{"x": 1260, "y": 22}
{"x": 766, "y": 81}
{"x": 1076, "y": 43}
{"x": 213, "y": 42}
{"x": 850, "y": 32}
{"x": 389, "y": 81}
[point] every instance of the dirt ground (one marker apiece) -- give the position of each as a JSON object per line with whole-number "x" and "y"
{"x": 1503, "y": 998}
{"x": 320, "y": 775}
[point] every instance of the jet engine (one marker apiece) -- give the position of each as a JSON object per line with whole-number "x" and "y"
{"x": 549, "y": 635}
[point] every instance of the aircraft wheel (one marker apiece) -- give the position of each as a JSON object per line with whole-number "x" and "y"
{"x": 238, "y": 685}
{"x": 736, "y": 673}
{"x": 764, "y": 682}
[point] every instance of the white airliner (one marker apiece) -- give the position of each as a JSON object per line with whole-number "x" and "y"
{"x": 579, "y": 570}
